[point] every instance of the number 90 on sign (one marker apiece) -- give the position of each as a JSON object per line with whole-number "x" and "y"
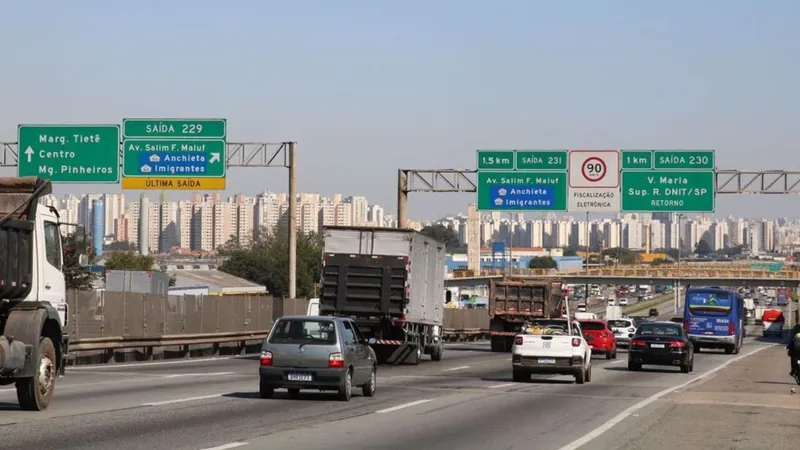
{"x": 594, "y": 169}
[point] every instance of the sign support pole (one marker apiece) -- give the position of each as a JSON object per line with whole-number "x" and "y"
{"x": 292, "y": 225}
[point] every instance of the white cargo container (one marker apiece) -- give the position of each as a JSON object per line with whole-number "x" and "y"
{"x": 392, "y": 283}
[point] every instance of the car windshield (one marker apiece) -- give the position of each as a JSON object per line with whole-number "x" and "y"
{"x": 304, "y": 331}
{"x": 593, "y": 326}
{"x": 659, "y": 330}
{"x": 619, "y": 323}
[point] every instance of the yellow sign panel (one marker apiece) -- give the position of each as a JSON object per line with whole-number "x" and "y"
{"x": 167, "y": 183}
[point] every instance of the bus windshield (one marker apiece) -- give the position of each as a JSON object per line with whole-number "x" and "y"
{"x": 709, "y": 303}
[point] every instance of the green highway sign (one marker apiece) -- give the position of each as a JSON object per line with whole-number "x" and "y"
{"x": 668, "y": 191}
{"x": 194, "y": 158}
{"x": 637, "y": 159}
{"x": 175, "y": 128}
{"x": 69, "y": 153}
{"x": 495, "y": 160}
{"x": 541, "y": 159}
{"x": 684, "y": 159}
{"x": 522, "y": 191}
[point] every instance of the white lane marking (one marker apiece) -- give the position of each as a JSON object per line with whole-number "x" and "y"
{"x": 403, "y": 406}
{"x": 157, "y": 363}
{"x": 617, "y": 361}
{"x": 501, "y": 385}
{"x": 227, "y": 446}
{"x": 211, "y": 374}
{"x": 580, "y": 442}
{"x": 456, "y": 368}
{"x": 183, "y": 400}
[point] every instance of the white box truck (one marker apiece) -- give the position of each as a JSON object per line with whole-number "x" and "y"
{"x": 391, "y": 282}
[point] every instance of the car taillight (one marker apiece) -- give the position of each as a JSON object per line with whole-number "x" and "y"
{"x": 576, "y": 342}
{"x": 731, "y": 329}
{"x": 335, "y": 361}
{"x": 677, "y": 344}
{"x": 638, "y": 343}
{"x": 518, "y": 340}
{"x": 266, "y": 359}
{"x": 631, "y": 330}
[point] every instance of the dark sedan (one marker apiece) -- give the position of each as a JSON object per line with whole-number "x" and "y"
{"x": 661, "y": 344}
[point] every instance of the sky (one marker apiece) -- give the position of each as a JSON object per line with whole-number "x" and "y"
{"x": 368, "y": 87}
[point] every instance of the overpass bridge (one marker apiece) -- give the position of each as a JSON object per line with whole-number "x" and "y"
{"x": 727, "y": 276}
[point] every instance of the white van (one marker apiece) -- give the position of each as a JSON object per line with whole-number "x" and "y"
{"x": 585, "y": 316}
{"x": 313, "y": 307}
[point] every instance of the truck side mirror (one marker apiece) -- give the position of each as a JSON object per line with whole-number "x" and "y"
{"x": 83, "y": 260}
{"x": 448, "y": 296}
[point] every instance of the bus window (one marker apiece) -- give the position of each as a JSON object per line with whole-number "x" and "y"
{"x": 709, "y": 303}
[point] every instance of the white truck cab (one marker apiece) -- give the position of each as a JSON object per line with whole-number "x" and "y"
{"x": 33, "y": 308}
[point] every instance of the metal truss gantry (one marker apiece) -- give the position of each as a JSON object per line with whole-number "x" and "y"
{"x": 728, "y": 181}
{"x": 237, "y": 154}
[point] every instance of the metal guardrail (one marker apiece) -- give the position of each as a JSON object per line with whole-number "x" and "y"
{"x": 126, "y": 342}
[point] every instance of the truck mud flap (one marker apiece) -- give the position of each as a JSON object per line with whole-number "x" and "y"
{"x": 403, "y": 353}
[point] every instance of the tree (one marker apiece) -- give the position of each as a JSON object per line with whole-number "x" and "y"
{"x": 444, "y": 234}
{"x": 119, "y": 246}
{"x": 75, "y": 276}
{"x": 570, "y": 251}
{"x": 129, "y": 261}
{"x": 266, "y": 262}
{"x": 702, "y": 248}
{"x": 542, "y": 262}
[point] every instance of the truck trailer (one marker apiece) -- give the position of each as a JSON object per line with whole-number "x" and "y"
{"x": 391, "y": 282}
{"x": 513, "y": 301}
{"x": 33, "y": 307}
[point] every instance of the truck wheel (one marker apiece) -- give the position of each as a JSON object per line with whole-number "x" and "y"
{"x": 589, "y": 374}
{"x": 520, "y": 376}
{"x": 498, "y": 344}
{"x": 35, "y": 393}
{"x": 437, "y": 353}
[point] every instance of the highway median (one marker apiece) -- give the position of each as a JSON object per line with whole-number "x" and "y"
{"x": 655, "y": 302}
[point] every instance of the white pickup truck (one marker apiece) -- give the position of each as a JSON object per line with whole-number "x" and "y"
{"x": 551, "y": 346}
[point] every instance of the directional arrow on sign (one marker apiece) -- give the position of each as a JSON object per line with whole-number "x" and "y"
{"x": 29, "y": 153}
{"x": 214, "y": 158}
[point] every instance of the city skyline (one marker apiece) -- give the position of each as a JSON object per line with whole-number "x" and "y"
{"x": 207, "y": 221}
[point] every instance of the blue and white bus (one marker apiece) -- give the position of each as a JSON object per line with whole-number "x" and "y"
{"x": 714, "y": 318}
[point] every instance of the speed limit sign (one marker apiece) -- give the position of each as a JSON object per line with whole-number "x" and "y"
{"x": 594, "y": 181}
{"x": 593, "y": 168}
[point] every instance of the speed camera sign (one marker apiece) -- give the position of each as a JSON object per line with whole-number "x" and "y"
{"x": 594, "y": 180}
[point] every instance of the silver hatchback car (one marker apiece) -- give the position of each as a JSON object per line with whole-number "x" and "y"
{"x": 317, "y": 352}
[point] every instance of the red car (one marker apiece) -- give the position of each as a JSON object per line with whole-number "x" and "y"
{"x": 600, "y": 337}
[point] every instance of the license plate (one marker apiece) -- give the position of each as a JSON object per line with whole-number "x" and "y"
{"x": 547, "y": 361}
{"x": 657, "y": 346}
{"x": 299, "y": 377}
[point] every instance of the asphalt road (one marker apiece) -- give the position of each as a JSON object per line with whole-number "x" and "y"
{"x": 467, "y": 401}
